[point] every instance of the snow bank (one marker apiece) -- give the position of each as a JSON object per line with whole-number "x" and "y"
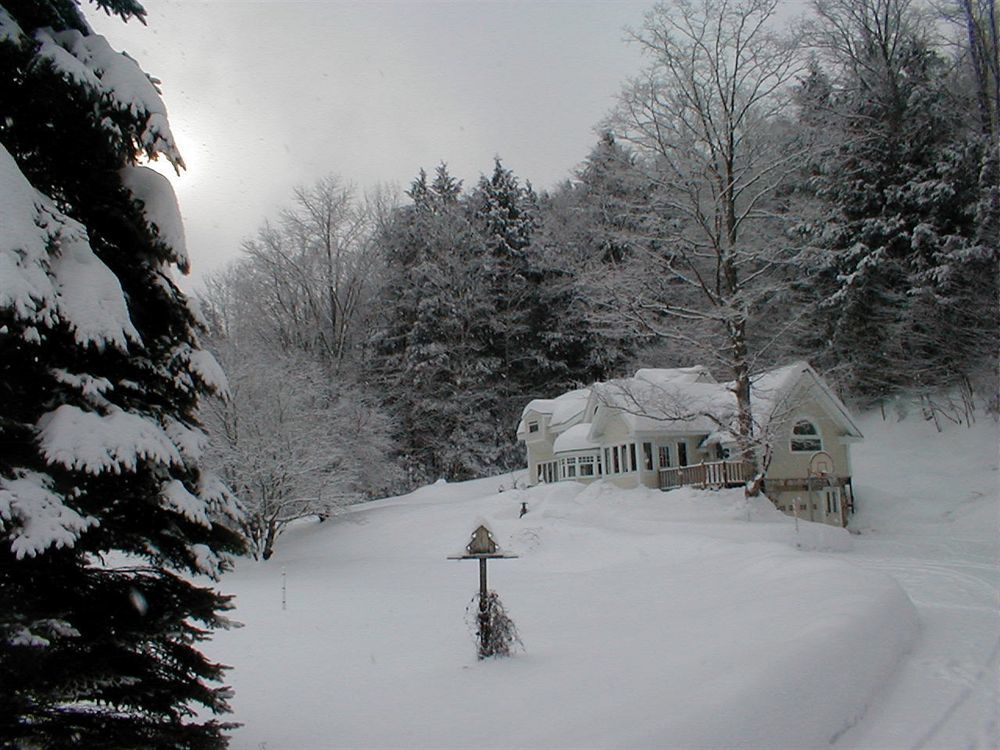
{"x": 928, "y": 514}
{"x": 682, "y": 619}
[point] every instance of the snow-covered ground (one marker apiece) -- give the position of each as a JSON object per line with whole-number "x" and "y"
{"x": 929, "y": 516}
{"x": 674, "y": 620}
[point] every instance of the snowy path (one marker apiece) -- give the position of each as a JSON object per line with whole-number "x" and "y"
{"x": 946, "y": 694}
{"x": 932, "y": 525}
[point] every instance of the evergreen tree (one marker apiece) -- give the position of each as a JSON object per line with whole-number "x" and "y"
{"x": 104, "y": 513}
{"x": 435, "y": 303}
{"x": 906, "y": 294}
{"x": 588, "y": 226}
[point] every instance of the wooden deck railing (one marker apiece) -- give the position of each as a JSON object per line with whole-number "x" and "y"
{"x": 708, "y": 474}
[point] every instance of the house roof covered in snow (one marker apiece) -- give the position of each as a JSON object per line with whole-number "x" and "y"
{"x": 562, "y": 410}
{"x": 685, "y": 401}
{"x": 576, "y": 438}
{"x": 658, "y": 400}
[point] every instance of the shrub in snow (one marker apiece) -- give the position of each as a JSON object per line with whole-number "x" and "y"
{"x": 495, "y": 632}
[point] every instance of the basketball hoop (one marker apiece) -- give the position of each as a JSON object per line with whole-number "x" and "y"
{"x": 821, "y": 464}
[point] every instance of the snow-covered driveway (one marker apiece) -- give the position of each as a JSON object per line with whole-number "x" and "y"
{"x": 932, "y": 525}
{"x": 946, "y": 694}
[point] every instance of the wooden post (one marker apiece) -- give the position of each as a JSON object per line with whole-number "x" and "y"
{"x": 484, "y": 617}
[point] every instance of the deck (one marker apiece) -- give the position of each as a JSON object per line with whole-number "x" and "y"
{"x": 706, "y": 475}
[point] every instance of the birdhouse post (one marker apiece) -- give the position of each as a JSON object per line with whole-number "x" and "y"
{"x": 482, "y": 547}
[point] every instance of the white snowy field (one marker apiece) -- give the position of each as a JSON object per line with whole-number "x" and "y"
{"x": 672, "y": 620}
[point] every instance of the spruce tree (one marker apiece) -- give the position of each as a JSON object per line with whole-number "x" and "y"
{"x": 428, "y": 359}
{"x": 588, "y": 227}
{"x": 905, "y": 286}
{"x": 507, "y": 216}
{"x": 105, "y": 516}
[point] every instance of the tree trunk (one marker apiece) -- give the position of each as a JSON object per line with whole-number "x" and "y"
{"x": 269, "y": 538}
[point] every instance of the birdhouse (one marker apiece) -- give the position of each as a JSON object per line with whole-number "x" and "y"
{"x": 482, "y": 542}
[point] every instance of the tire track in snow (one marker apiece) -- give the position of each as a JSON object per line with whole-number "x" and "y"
{"x": 957, "y": 583}
{"x": 989, "y": 668}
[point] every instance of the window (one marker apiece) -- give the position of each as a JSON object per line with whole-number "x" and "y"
{"x": 586, "y": 464}
{"x": 547, "y": 471}
{"x": 664, "y": 451}
{"x": 569, "y": 468}
{"x": 532, "y": 426}
{"x": 616, "y": 460}
{"x": 805, "y": 437}
{"x": 607, "y": 460}
{"x": 682, "y": 454}
{"x": 832, "y": 500}
{"x": 647, "y": 456}
{"x": 631, "y": 456}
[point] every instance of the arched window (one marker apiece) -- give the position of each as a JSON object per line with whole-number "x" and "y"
{"x": 806, "y": 437}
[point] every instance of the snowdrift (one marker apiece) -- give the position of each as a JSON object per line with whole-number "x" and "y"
{"x": 684, "y": 619}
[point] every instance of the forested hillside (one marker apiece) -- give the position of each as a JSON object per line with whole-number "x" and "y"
{"x": 764, "y": 189}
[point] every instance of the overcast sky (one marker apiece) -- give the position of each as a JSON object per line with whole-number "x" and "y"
{"x": 264, "y": 96}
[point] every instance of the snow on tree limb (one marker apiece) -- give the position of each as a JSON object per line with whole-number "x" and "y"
{"x": 176, "y": 497}
{"x": 89, "y": 295}
{"x": 119, "y": 441}
{"x": 9, "y": 28}
{"x": 40, "y": 517}
{"x": 208, "y": 562}
{"x": 70, "y": 284}
{"x": 118, "y": 79}
{"x": 191, "y": 441}
{"x": 160, "y": 208}
{"x": 207, "y": 368}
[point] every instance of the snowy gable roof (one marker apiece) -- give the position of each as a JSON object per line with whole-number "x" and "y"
{"x": 658, "y": 400}
{"x": 569, "y": 406}
{"x": 696, "y": 374}
{"x": 576, "y": 438}
{"x": 685, "y": 401}
{"x": 561, "y": 410}
{"x": 776, "y": 393}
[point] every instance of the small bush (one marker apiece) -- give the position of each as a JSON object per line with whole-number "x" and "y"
{"x": 495, "y": 632}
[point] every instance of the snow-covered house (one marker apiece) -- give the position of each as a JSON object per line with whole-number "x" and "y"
{"x": 667, "y": 428}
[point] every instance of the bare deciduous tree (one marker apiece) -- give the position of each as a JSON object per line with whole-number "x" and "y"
{"x": 298, "y": 435}
{"x": 981, "y": 49}
{"x": 315, "y": 268}
{"x": 290, "y": 449}
{"x": 706, "y": 121}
